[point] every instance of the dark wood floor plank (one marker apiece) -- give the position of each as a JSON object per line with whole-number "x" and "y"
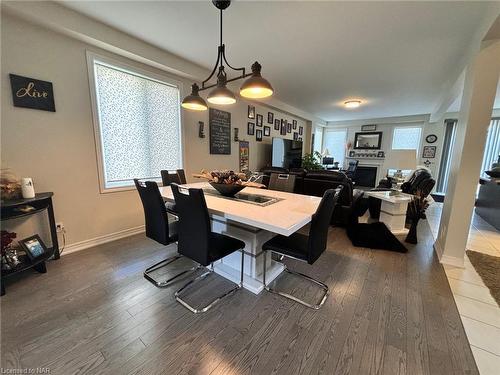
{"x": 94, "y": 313}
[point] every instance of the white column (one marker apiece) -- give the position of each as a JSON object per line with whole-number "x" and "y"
{"x": 475, "y": 114}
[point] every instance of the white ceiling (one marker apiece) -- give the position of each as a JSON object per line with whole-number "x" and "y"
{"x": 395, "y": 56}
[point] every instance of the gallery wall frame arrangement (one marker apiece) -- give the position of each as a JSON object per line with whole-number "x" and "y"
{"x": 259, "y": 120}
{"x": 294, "y": 124}
{"x": 277, "y": 124}
{"x": 267, "y": 131}
{"x": 270, "y": 117}
{"x": 295, "y": 136}
{"x": 251, "y": 111}
{"x": 301, "y": 130}
{"x": 250, "y": 128}
{"x": 288, "y": 127}
{"x": 32, "y": 93}
{"x": 283, "y": 128}
{"x": 258, "y": 135}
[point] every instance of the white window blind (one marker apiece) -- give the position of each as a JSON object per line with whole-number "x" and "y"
{"x": 492, "y": 148}
{"x": 334, "y": 141}
{"x": 318, "y": 139}
{"x": 138, "y": 125}
{"x": 406, "y": 138}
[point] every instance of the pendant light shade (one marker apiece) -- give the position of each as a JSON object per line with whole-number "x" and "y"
{"x": 194, "y": 101}
{"x": 256, "y": 87}
{"x": 221, "y": 94}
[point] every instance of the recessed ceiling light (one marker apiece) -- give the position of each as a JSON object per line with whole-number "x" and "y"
{"x": 352, "y": 103}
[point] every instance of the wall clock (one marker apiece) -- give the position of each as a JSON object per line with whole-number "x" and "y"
{"x": 431, "y": 138}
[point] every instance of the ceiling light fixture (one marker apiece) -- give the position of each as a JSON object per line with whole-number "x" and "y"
{"x": 352, "y": 104}
{"x": 255, "y": 87}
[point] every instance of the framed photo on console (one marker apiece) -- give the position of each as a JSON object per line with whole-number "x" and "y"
{"x": 34, "y": 247}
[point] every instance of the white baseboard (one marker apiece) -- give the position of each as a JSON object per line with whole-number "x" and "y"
{"x": 77, "y": 246}
{"x": 446, "y": 259}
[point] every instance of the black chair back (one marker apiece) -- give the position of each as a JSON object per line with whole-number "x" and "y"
{"x": 155, "y": 213}
{"x": 182, "y": 176}
{"x": 170, "y": 177}
{"x": 282, "y": 182}
{"x": 194, "y": 224}
{"x": 320, "y": 222}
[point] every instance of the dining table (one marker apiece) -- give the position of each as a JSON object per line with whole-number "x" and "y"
{"x": 253, "y": 216}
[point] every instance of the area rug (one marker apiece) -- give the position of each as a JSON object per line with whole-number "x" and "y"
{"x": 374, "y": 236}
{"x": 488, "y": 267}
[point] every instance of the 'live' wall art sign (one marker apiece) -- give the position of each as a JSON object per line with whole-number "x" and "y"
{"x": 32, "y": 93}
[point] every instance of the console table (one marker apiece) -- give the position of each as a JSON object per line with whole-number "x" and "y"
{"x": 12, "y": 209}
{"x": 393, "y": 209}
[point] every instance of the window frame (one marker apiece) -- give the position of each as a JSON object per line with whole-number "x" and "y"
{"x": 92, "y": 58}
{"x": 412, "y": 126}
{"x": 338, "y": 130}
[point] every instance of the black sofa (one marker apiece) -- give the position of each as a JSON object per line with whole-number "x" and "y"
{"x": 421, "y": 180}
{"x": 316, "y": 183}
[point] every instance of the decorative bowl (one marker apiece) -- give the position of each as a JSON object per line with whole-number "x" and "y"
{"x": 228, "y": 190}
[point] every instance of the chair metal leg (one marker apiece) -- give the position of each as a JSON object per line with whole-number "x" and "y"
{"x": 323, "y": 286}
{"x": 214, "y": 301}
{"x": 164, "y": 263}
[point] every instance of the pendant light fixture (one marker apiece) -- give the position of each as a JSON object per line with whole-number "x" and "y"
{"x": 255, "y": 87}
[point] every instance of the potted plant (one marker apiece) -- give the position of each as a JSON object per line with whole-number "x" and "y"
{"x": 312, "y": 162}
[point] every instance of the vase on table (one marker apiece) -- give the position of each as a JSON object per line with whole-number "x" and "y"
{"x": 412, "y": 234}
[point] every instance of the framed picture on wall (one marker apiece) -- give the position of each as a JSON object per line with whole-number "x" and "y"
{"x": 276, "y": 124}
{"x": 267, "y": 131}
{"x": 270, "y": 117}
{"x": 283, "y": 128}
{"x": 250, "y": 128}
{"x": 288, "y": 127}
{"x": 301, "y": 130}
{"x": 294, "y": 123}
{"x": 260, "y": 120}
{"x": 258, "y": 135}
{"x": 251, "y": 111}
{"x": 429, "y": 152}
{"x": 295, "y": 136}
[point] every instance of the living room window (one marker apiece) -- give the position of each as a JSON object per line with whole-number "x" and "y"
{"x": 334, "y": 141}
{"x": 137, "y": 123}
{"x": 406, "y": 138}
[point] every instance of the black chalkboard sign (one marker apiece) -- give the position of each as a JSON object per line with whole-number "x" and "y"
{"x": 32, "y": 93}
{"x": 220, "y": 132}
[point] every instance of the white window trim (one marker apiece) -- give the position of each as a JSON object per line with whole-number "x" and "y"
{"x": 115, "y": 64}
{"x": 406, "y": 127}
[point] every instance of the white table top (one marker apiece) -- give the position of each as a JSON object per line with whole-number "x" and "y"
{"x": 385, "y": 196}
{"x": 283, "y": 217}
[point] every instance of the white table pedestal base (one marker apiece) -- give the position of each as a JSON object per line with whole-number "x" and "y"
{"x": 229, "y": 267}
{"x": 394, "y": 216}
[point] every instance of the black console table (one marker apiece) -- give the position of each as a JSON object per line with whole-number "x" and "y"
{"x": 12, "y": 209}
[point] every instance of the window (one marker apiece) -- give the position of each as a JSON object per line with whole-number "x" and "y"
{"x": 492, "y": 147}
{"x": 334, "y": 140}
{"x": 318, "y": 139}
{"x": 406, "y": 138}
{"x": 137, "y": 125}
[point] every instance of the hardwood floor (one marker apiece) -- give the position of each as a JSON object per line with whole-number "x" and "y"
{"x": 94, "y": 313}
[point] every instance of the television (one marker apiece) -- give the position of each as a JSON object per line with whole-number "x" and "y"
{"x": 286, "y": 153}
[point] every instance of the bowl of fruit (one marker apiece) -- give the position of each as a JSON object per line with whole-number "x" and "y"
{"x": 226, "y": 182}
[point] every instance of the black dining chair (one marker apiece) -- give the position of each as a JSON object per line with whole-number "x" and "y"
{"x": 158, "y": 228}
{"x": 199, "y": 243}
{"x": 305, "y": 248}
{"x": 282, "y": 182}
{"x": 169, "y": 177}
